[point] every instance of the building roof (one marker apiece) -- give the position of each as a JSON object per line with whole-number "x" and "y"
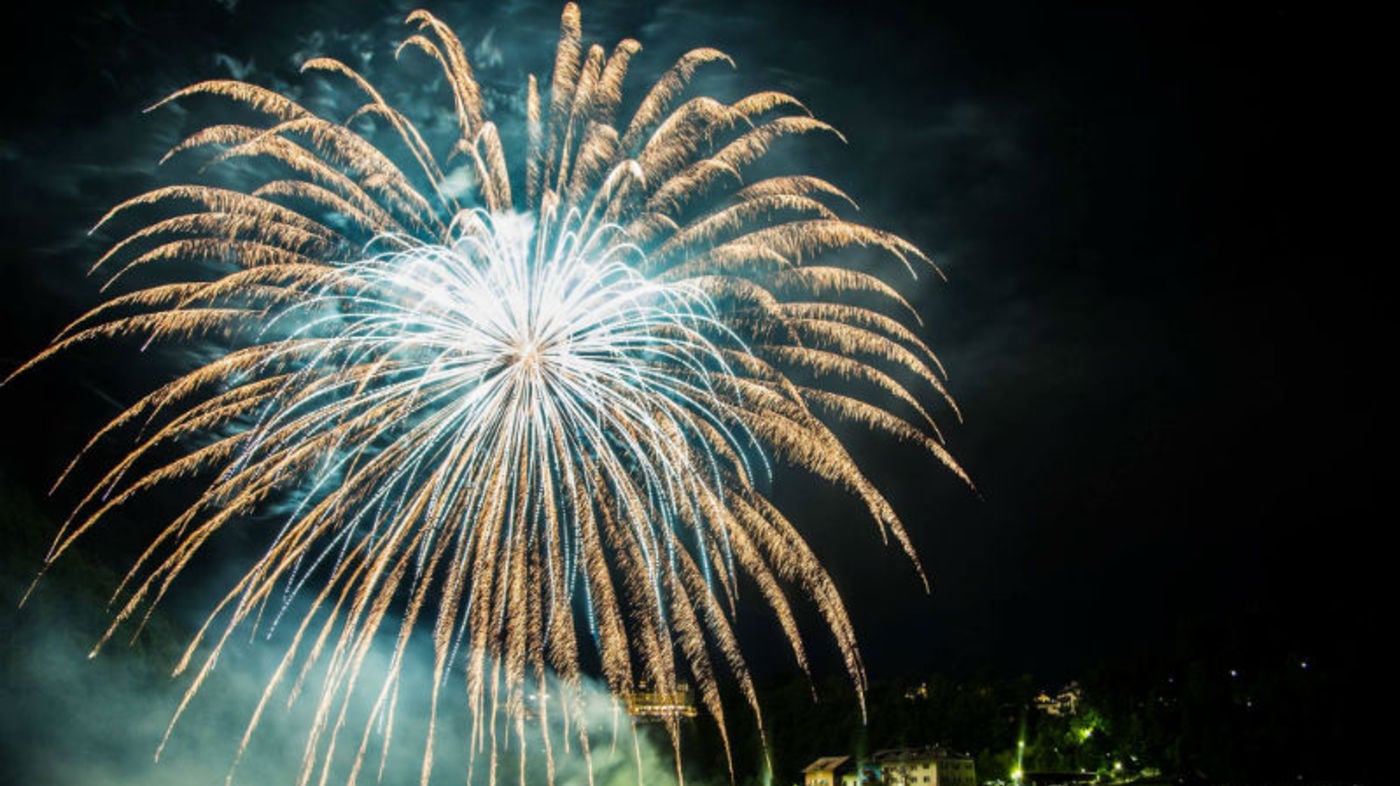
{"x": 826, "y": 763}
{"x": 893, "y": 755}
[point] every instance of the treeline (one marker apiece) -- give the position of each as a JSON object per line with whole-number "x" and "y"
{"x": 1242, "y": 698}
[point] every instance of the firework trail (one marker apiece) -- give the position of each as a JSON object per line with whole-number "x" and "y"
{"x": 525, "y": 421}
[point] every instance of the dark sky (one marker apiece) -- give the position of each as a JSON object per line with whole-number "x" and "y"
{"x": 1151, "y": 324}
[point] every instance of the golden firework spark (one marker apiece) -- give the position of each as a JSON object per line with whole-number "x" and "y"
{"x": 505, "y": 418}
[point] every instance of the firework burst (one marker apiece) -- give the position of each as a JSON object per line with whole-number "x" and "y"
{"x": 520, "y": 421}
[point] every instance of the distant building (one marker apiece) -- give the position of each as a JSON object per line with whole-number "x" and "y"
{"x": 828, "y": 771}
{"x": 927, "y": 766}
{"x": 1065, "y": 702}
{"x": 649, "y": 704}
{"x": 931, "y": 765}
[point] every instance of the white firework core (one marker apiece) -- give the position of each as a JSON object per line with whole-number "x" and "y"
{"x": 490, "y": 358}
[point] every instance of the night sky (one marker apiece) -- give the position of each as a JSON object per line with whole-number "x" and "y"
{"x": 1157, "y": 335}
